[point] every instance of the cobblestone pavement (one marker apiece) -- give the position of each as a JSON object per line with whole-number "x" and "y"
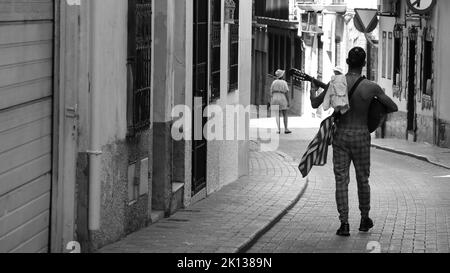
{"x": 410, "y": 208}
{"x": 227, "y": 220}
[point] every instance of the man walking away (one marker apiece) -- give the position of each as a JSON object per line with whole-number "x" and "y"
{"x": 352, "y": 140}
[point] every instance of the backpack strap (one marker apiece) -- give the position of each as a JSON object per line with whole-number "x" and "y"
{"x": 337, "y": 115}
{"x": 358, "y": 82}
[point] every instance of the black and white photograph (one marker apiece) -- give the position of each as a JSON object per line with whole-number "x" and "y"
{"x": 248, "y": 128}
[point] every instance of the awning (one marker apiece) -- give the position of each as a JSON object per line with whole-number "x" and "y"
{"x": 278, "y": 23}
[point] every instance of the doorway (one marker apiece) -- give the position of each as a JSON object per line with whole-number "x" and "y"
{"x": 411, "y": 88}
{"x": 200, "y": 90}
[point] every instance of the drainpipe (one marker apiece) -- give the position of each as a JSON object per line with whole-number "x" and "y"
{"x": 95, "y": 151}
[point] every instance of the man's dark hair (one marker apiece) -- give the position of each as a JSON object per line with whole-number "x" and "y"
{"x": 357, "y": 57}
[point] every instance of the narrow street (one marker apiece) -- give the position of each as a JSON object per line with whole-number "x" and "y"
{"x": 152, "y": 126}
{"x": 410, "y": 208}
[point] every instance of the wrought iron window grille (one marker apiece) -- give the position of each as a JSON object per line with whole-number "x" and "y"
{"x": 139, "y": 65}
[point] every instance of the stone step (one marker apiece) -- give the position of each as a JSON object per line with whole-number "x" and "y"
{"x": 156, "y": 216}
{"x": 177, "y": 201}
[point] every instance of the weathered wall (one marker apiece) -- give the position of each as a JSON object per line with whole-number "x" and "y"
{"x": 396, "y": 125}
{"x": 124, "y": 207}
{"x": 125, "y": 172}
{"x": 441, "y": 68}
{"x": 172, "y": 86}
{"x": 189, "y": 17}
{"x": 110, "y": 73}
{"x": 164, "y": 92}
{"x": 179, "y": 169}
{"x": 425, "y": 117}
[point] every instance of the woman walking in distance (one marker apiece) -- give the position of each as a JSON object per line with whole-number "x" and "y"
{"x": 279, "y": 91}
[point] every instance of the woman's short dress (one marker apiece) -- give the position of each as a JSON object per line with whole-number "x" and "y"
{"x": 279, "y": 91}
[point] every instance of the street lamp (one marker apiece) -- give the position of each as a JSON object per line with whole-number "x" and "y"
{"x": 230, "y": 7}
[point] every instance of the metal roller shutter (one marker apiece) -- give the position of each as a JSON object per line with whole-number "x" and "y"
{"x": 26, "y": 90}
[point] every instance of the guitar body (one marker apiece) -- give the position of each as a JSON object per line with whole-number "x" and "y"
{"x": 377, "y": 115}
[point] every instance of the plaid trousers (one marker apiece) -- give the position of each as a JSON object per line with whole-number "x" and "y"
{"x": 348, "y": 146}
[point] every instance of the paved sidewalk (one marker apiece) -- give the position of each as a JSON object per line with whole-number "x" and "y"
{"x": 229, "y": 220}
{"x": 426, "y": 152}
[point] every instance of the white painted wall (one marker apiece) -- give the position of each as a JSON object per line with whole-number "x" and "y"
{"x": 228, "y": 160}
{"x": 189, "y": 30}
{"x": 329, "y": 45}
{"x": 163, "y": 71}
{"x": 442, "y": 55}
{"x": 245, "y": 72}
{"x": 109, "y": 75}
{"x": 387, "y": 25}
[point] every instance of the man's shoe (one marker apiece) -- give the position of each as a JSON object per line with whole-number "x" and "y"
{"x": 366, "y": 224}
{"x": 344, "y": 231}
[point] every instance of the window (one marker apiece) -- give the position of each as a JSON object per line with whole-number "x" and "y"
{"x": 216, "y": 24}
{"x": 384, "y": 55}
{"x": 427, "y": 68}
{"x": 275, "y": 53}
{"x": 260, "y": 7}
{"x": 139, "y": 65}
{"x": 271, "y": 59}
{"x": 289, "y": 53}
{"x": 305, "y": 21}
{"x": 282, "y": 52}
{"x": 234, "y": 52}
{"x": 397, "y": 61}
{"x": 390, "y": 52}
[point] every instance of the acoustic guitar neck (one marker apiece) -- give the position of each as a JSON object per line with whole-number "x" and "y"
{"x": 305, "y": 77}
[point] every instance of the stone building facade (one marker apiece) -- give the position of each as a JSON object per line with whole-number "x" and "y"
{"x": 100, "y": 82}
{"x": 412, "y": 70}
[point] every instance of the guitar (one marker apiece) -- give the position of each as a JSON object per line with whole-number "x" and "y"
{"x": 377, "y": 110}
{"x": 301, "y": 76}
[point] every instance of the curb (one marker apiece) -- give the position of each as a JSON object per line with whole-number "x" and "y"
{"x": 254, "y": 239}
{"x": 419, "y": 157}
{"x": 285, "y": 156}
